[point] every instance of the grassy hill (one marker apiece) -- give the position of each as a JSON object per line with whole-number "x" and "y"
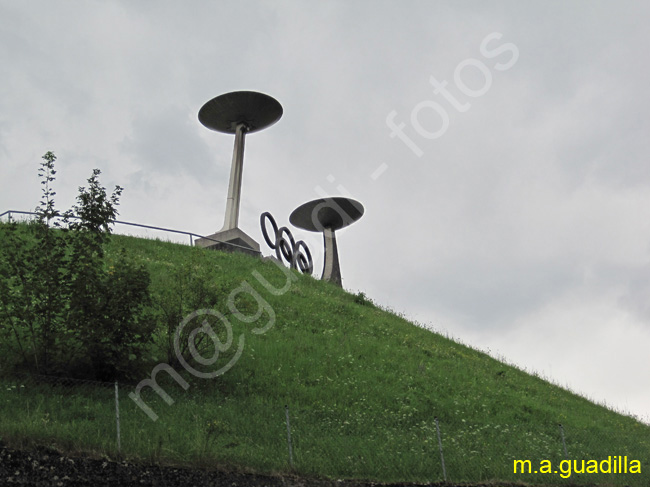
{"x": 363, "y": 387}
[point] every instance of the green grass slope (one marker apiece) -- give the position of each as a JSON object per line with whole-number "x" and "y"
{"x": 363, "y": 386}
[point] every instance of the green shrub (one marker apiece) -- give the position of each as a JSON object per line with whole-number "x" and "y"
{"x": 63, "y": 307}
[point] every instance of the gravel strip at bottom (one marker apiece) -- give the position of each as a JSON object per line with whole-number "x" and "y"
{"x": 45, "y": 467}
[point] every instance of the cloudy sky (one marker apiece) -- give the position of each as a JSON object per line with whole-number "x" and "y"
{"x": 500, "y": 150}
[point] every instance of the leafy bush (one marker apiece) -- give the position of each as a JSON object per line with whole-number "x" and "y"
{"x": 63, "y": 307}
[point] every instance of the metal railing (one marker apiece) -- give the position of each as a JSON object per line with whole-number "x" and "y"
{"x": 192, "y": 235}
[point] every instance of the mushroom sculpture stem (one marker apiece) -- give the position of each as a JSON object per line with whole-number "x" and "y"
{"x": 234, "y": 186}
{"x": 331, "y": 268}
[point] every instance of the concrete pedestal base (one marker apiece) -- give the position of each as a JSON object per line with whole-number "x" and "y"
{"x": 233, "y": 240}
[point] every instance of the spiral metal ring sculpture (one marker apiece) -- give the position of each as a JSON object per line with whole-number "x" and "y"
{"x": 296, "y": 254}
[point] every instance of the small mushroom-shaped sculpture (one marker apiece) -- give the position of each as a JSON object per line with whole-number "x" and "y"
{"x": 328, "y": 215}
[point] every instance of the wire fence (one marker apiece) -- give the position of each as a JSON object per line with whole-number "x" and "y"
{"x": 85, "y": 414}
{"x": 452, "y": 449}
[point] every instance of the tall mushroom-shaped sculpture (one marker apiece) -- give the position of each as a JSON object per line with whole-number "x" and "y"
{"x": 239, "y": 113}
{"x": 327, "y": 215}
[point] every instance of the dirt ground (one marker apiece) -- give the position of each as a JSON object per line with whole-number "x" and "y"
{"x": 42, "y": 467}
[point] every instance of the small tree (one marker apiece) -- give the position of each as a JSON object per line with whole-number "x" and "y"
{"x": 95, "y": 212}
{"x": 33, "y": 274}
{"x": 49, "y": 258}
{"x": 107, "y": 302}
{"x": 46, "y": 210}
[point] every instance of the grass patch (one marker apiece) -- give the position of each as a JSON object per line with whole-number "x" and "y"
{"x": 363, "y": 387}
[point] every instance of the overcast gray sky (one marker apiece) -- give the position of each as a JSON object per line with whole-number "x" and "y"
{"x": 511, "y": 211}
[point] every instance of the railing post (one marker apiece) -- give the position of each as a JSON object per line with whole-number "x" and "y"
{"x": 117, "y": 418}
{"x": 286, "y": 411}
{"x": 566, "y": 455}
{"x": 442, "y": 458}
